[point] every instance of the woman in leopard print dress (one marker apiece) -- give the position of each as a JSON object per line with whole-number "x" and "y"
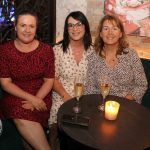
{"x": 114, "y": 58}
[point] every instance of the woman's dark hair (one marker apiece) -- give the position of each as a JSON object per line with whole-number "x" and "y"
{"x": 99, "y": 43}
{"x": 26, "y": 12}
{"x": 87, "y": 40}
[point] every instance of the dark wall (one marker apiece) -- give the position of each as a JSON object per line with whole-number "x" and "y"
{"x": 46, "y": 11}
{"x": 146, "y": 98}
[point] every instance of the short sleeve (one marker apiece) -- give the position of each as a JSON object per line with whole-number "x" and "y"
{"x": 49, "y": 63}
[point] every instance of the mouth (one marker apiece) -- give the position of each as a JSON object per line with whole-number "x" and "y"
{"x": 110, "y": 38}
{"x": 76, "y": 33}
{"x": 26, "y": 35}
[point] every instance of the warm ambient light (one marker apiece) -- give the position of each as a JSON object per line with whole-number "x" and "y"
{"x": 111, "y": 110}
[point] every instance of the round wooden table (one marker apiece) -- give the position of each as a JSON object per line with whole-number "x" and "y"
{"x": 130, "y": 131}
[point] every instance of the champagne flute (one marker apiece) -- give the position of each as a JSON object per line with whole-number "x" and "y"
{"x": 78, "y": 89}
{"x": 104, "y": 85}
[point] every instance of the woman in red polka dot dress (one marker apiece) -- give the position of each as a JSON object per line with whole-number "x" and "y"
{"x": 26, "y": 74}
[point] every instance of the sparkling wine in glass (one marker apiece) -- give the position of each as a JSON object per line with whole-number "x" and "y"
{"x": 104, "y": 85}
{"x": 78, "y": 89}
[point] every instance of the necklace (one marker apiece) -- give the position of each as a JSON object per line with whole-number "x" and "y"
{"x": 111, "y": 61}
{"x": 110, "y": 58}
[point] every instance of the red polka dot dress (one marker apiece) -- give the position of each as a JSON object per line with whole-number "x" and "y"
{"x": 27, "y": 71}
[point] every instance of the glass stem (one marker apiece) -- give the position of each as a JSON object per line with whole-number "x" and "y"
{"x": 103, "y": 101}
{"x": 77, "y": 101}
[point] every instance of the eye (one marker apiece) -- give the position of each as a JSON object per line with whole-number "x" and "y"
{"x": 70, "y": 25}
{"x": 22, "y": 25}
{"x": 105, "y": 28}
{"x": 79, "y": 24}
{"x": 32, "y": 26}
{"x": 115, "y": 28}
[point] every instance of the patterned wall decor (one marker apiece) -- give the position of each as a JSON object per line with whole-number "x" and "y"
{"x": 134, "y": 14}
{"x": 46, "y": 13}
{"x": 95, "y": 9}
{"x": 6, "y": 17}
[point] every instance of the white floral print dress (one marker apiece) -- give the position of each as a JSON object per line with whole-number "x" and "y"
{"x": 66, "y": 69}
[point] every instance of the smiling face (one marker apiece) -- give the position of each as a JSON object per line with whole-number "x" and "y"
{"x": 76, "y": 29}
{"x": 110, "y": 33}
{"x": 26, "y": 28}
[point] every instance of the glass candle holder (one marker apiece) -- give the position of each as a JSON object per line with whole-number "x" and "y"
{"x": 111, "y": 110}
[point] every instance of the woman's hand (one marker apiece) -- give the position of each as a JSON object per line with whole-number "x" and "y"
{"x": 66, "y": 97}
{"x": 39, "y": 104}
{"x": 129, "y": 97}
{"x": 27, "y": 105}
{"x": 35, "y": 103}
{"x": 30, "y": 101}
{"x": 58, "y": 87}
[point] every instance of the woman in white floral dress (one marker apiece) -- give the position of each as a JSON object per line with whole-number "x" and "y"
{"x": 70, "y": 61}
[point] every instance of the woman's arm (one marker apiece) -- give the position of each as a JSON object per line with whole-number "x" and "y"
{"x": 58, "y": 87}
{"x": 45, "y": 88}
{"x": 43, "y": 91}
{"x": 140, "y": 81}
{"x": 92, "y": 75}
{"x": 13, "y": 89}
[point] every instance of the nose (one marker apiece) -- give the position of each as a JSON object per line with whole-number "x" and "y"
{"x": 27, "y": 29}
{"x": 75, "y": 27}
{"x": 110, "y": 31}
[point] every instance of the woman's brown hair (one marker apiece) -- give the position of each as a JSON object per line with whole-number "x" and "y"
{"x": 99, "y": 43}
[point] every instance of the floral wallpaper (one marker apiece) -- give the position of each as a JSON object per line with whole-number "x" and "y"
{"x": 135, "y": 15}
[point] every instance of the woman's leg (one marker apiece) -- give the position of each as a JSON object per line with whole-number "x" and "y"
{"x": 53, "y": 135}
{"x": 26, "y": 145}
{"x": 33, "y": 133}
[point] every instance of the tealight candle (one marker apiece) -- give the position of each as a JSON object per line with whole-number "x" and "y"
{"x": 111, "y": 110}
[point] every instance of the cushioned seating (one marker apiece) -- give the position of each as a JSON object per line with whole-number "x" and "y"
{"x": 1, "y": 93}
{"x": 10, "y": 138}
{"x": 146, "y": 98}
